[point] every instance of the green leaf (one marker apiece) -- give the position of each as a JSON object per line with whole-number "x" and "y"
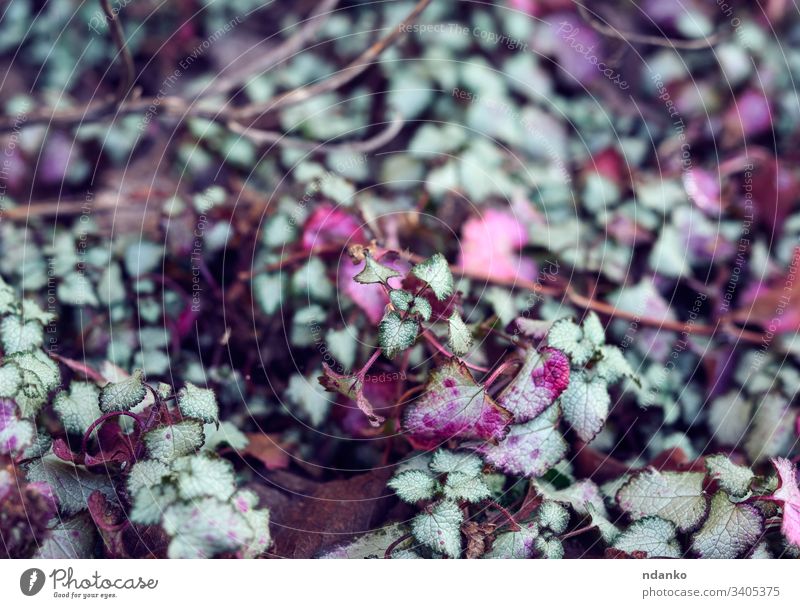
{"x": 246, "y": 501}
{"x": 579, "y": 495}
{"x": 204, "y": 528}
{"x": 145, "y": 474}
{"x": 729, "y": 417}
{"x": 311, "y": 281}
{"x": 202, "y": 475}
{"x": 227, "y": 433}
{"x": 15, "y": 434}
{"x": 310, "y": 397}
{"x": 676, "y": 497}
{"x": 373, "y": 545}
{"x": 18, "y": 336}
{"x": 79, "y": 407}
{"x": 268, "y": 291}
{"x": 733, "y": 478}
{"x": 39, "y": 375}
{"x": 31, "y": 311}
{"x": 343, "y": 345}
{"x": 73, "y": 538}
{"x": 460, "y": 486}
{"x": 730, "y": 530}
{"x": 166, "y": 443}
{"x": 445, "y": 461}
{"x": 9, "y": 303}
{"x": 530, "y": 449}
{"x": 550, "y": 548}
{"x": 200, "y": 403}
{"x": 580, "y": 344}
{"x": 375, "y": 272}
{"x": 651, "y": 535}
{"x": 71, "y": 484}
{"x": 10, "y": 380}
{"x": 553, "y": 516}
{"x": 440, "y": 528}
{"x": 460, "y": 340}
{"x": 593, "y": 329}
{"x": 396, "y": 334}
{"x": 422, "y": 307}
{"x": 515, "y": 545}
{"x": 586, "y": 403}
{"x": 613, "y": 366}
{"x": 772, "y": 429}
{"x": 607, "y": 529}
{"x": 436, "y": 273}
{"x": 122, "y": 396}
{"x": 413, "y": 486}
{"x": 150, "y": 503}
{"x": 40, "y": 368}
{"x": 401, "y": 299}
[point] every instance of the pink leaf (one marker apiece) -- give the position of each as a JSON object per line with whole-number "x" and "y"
{"x": 491, "y": 244}
{"x": 542, "y": 379}
{"x": 703, "y": 188}
{"x": 454, "y": 405}
{"x": 749, "y": 115}
{"x": 329, "y": 225}
{"x": 788, "y": 494}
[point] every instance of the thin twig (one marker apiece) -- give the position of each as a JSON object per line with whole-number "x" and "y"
{"x": 604, "y": 28}
{"x": 338, "y": 80}
{"x": 593, "y": 20}
{"x": 118, "y": 36}
{"x": 431, "y": 339}
{"x": 514, "y": 526}
{"x": 290, "y": 47}
{"x": 262, "y": 137}
{"x": 390, "y": 549}
{"x": 577, "y": 532}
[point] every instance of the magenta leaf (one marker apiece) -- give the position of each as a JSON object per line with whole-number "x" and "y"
{"x": 454, "y": 405}
{"x": 788, "y": 494}
{"x": 542, "y": 379}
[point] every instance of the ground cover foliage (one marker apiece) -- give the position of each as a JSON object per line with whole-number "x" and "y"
{"x": 399, "y": 280}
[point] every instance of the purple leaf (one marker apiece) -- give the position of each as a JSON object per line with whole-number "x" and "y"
{"x": 454, "y": 405}
{"x": 542, "y": 379}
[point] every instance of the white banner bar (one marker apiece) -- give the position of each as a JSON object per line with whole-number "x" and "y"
{"x": 400, "y": 583}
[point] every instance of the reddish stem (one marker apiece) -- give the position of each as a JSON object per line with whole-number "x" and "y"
{"x": 101, "y": 420}
{"x": 433, "y": 341}
{"x": 390, "y": 549}
{"x": 500, "y": 370}
{"x": 515, "y": 527}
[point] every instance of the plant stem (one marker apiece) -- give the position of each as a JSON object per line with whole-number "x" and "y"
{"x": 390, "y": 549}
{"x": 100, "y": 421}
{"x": 433, "y": 341}
{"x": 515, "y": 527}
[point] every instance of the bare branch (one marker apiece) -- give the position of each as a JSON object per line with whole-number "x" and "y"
{"x": 118, "y": 36}
{"x": 261, "y": 137}
{"x": 342, "y": 77}
{"x": 604, "y": 28}
{"x": 239, "y": 76}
